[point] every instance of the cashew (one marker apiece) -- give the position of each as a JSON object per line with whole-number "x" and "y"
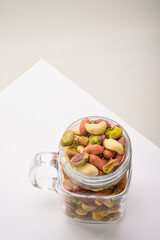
{"x": 98, "y": 202}
{"x": 104, "y": 213}
{"x": 98, "y": 128}
{"x": 88, "y": 208}
{"x": 87, "y": 169}
{"x": 80, "y": 149}
{"x": 113, "y": 145}
{"x": 96, "y": 216}
{"x": 113, "y": 218}
{"x": 81, "y": 212}
{"x": 109, "y": 203}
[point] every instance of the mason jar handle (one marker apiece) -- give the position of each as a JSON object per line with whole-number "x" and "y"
{"x": 42, "y": 172}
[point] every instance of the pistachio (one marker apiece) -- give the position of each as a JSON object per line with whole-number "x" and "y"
{"x": 81, "y": 212}
{"x": 79, "y": 159}
{"x": 110, "y": 165}
{"x": 80, "y": 148}
{"x": 80, "y": 140}
{"x": 100, "y": 208}
{"x": 113, "y": 145}
{"x": 70, "y": 212}
{"x": 77, "y": 131}
{"x": 67, "y": 138}
{"x": 95, "y": 129}
{"x": 115, "y": 133}
{"x": 100, "y": 173}
{"x": 74, "y": 199}
{"x": 88, "y": 169}
{"x": 88, "y": 208}
{"x": 79, "y": 205}
{"x": 108, "y": 131}
{"x": 109, "y": 203}
{"x": 94, "y": 140}
{"x": 71, "y": 205}
{"x": 70, "y": 152}
{"x": 101, "y": 138}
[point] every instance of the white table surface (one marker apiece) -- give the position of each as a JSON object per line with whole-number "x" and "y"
{"x": 34, "y": 112}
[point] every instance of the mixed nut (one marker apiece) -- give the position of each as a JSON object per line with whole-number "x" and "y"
{"x": 95, "y": 148}
{"x": 85, "y": 205}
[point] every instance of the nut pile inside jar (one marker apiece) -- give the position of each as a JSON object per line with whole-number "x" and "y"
{"x": 95, "y": 148}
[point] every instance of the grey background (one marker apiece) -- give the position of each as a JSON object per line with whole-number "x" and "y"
{"x": 109, "y": 48}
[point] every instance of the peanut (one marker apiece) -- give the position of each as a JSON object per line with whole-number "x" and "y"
{"x": 120, "y": 157}
{"x": 122, "y": 141}
{"x": 94, "y": 149}
{"x": 109, "y": 154}
{"x": 96, "y": 161}
{"x": 68, "y": 185}
{"x": 82, "y": 128}
{"x": 100, "y": 120}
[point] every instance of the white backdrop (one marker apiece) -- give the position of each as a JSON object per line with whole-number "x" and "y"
{"x": 109, "y": 48}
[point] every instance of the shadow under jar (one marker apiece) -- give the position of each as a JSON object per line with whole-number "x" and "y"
{"x": 90, "y": 199}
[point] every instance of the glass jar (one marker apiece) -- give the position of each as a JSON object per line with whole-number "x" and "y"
{"x": 99, "y": 199}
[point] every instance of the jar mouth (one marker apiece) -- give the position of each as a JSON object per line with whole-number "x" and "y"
{"x": 97, "y": 180}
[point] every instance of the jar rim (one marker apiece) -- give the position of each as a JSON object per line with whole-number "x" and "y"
{"x": 97, "y": 180}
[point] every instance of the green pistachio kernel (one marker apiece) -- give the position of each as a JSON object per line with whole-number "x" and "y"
{"x": 115, "y": 133}
{"x": 79, "y": 205}
{"x": 94, "y": 140}
{"x": 73, "y": 199}
{"x": 108, "y": 131}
